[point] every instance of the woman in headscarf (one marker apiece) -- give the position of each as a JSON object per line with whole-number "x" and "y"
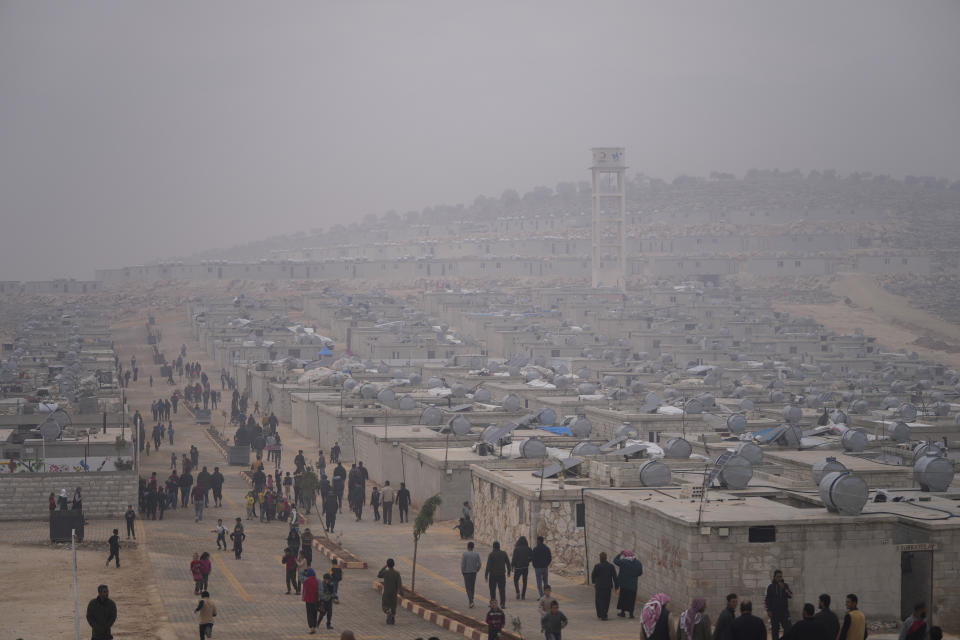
{"x": 655, "y": 619}
{"x": 694, "y": 623}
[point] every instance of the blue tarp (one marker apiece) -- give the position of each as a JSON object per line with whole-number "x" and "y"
{"x": 558, "y": 431}
{"x": 325, "y": 352}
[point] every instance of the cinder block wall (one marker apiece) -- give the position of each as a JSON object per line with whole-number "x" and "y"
{"x": 106, "y": 494}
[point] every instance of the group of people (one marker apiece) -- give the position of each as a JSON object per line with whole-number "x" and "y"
{"x": 157, "y": 497}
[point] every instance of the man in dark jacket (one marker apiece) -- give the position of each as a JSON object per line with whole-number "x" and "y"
{"x": 216, "y": 483}
{"x": 403, "y": 502}
{"x": 723, "y": 630}
{"x": 541, "y": 563}
{"x": 114, "y": 542}
{"x": 777, "y": 604}
{"x": 748, "y": 626}
{"x": 496, "y": 572}
{"x": 604, "y": 579}
{"x": 101, "y": 614}
{"x": 827, "y": 618}
{"x": 807, "y": 628}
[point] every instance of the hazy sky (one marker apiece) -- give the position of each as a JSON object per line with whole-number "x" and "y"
{"x": 134, "y": 130}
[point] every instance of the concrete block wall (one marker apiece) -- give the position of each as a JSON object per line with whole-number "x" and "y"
{"x": 106, "y": 494}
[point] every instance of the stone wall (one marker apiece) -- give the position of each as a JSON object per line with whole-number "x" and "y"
{"x": 106, "y": 494}
{"x": 504, "y": 512}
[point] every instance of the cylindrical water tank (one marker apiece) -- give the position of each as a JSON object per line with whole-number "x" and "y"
{"x": 751, "y": 452}
{"x": 368, "y": 391}
{"x": 618, "y": 393}
{"x": 482, "y": 395}
{"x": 736, "y": 473}
{"x": 636, "y": 387}
{"x": 843, "y": 493}
{"x": 609, "y": 381}
{"x": 512, "y": 403}
{"x": 932, "y": 472}
{"x": 626, "y": 430}
{"x": 900, "y": 432}
{"x": 941, "y": 409}
{"x": 460, "y": 425}
{"x": 737, "y": 423}
{"x": 854, "y": 440}
{"x": 585, "y": 448}
{"x": 928, "y": 448}
{"x": 746, "y": 404}
{"x": 693, "y": 406}
{"x": 789, "y": 437}
{"x": 823, "y": 467}
{"x": 654, "y": 473}
{"x": 533, "y": 448}
{"x": 677, "y": 448}
{"x": 350, "y": 384}
{"x": 792, "y": 414}
{"x": 586, "y": 388}
{"x": 458, "y": 390}
{"x": 386, "y": 396}
{"x": 434, "y": 383}
{"x": 382, "y": 368}
{"x": 584, "y": 373}
{"x": 547, "y": 417}
{"x": 651, "y": 399}
{"x": 562, "y": 382}
{"x": 907, "y": 412}
{"x": 860, "y": 406}
{"x": 775, "y": 396}
{"x": 432, "y": 416}
{"x": 581, "y": 427}
{"x": 406, "y": 403}
{"x": 415, "y": 379}
{"x": 890, "y": 402}
{"x": 670, "y": 393}
{"x": 839, "y": 417}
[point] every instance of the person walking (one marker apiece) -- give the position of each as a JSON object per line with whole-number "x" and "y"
{"x": 129, "y": 516}
{"x": 199, "y": 495}
{"x": 206, "y": 611}
{"x": 854, "y": 623}
{"x": 330, "y": 511}
{"x": 777, "y": 604}
{"x": 694, "y": 622}
{"x": 541, "y": 563}
{"x": 386, "y": 497}
{"x": 114, "y": 542}
{"x": 289, "y": 561}
{"x": 655, "y": 619}
{"x": 221, "y": 532}
{"x": 496, "y": 572}
{"x": 630, "y": 571}
{"x": 101, "y": 614}
{"x": 604, "y": 579}
{"x": 326, "y": 596}
{"x": 311, "y": 597}
{"x": 826, "y": 617}
{"x": 553, "y": 622}
{"x": 336, "y": 577}
{"x": 403, "y": 502}
{"x": 238, "y": 536}
{"x": 470, "y": 566}
{"x": 723, "y": 628}
{"x": 748, "y": 626}
{"x": 335, "y": 453}
{"x": 375, "y": 503}
{"x": 391, "y": 589}
{"x": 522, "y": 556}
{"x": 306, "y": 545}
{"x": 496, "y": 619}
{"x": 196, "y": 571}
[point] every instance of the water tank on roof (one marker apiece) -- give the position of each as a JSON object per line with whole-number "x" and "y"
{"x": 898, "y": 386}
{"x": 458, "y": 390}
{"x": 823, "y": 467}
{"x": 562, "y": 382}
{"x": 609, "y": 381}
{"x": 775, "y": 396}
{"x": 626, "y": 430}
{"x": 415, "y": 379}
{"x": 386, "y": 396}
{"x": 584, "y": 372}
{"x": 843, "y": 493}
{"x": 654, "y": 473}
{"x": 585, "y": 448}
{"x": 350, "y": 384}
{"x": 854, "y": 440}
{"x": 839, "y": 417}
{"x": 406, "y": 403}
{"x": 547, "y": 417}
{"x": 693, "y": 406}
{"x": 751, "y": 452}
{"x": 933, "y": 472}
{"x": 636, "y": 387}
{"x": 434, "y": 383}
{"x": 737, "y": 423}
{"x": 941, "y": 409}
{"x": 652, "y": 399}
{"x": 533, "y": 448}
{"x": 459, "y": 425}
{"x": 900, "y": 432}
{"x": 368, "y": 391}
{"x": 907, "y": 412}
{"x": 586, "y": 388}
{"x": 670, "y": 394}
{"x": 746, "y": 404}
{"x": 736, "y": 473}
{"x": 512, "y": 403}
{"x": 382, "y": 368}
{"x": 482, "y": 395}
{"x": 581, "y": 427}
{"x": 677, "y": 448}
{"x": 432, "y": 416}
{"x": 937, "y": 396}
{"x": 890, "y": 402}
{"x": 792, "y": 414}
{"x": 860, "y": 406}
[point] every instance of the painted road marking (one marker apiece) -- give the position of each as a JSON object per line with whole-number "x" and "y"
{"x": 232, "y": 579}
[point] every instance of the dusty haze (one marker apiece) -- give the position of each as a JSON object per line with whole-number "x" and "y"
{"x": 135, "y": 130}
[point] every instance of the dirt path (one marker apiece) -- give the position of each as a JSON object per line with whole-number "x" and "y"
{"x": 888, "y": 317}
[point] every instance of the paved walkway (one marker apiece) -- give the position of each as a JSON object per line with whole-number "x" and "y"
{"x": 249, "y": 593}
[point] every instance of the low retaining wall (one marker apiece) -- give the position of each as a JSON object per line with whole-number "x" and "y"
{"x": 106, "y": 494}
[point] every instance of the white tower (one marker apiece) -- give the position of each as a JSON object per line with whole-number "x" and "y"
{"x": 609, "y": 229}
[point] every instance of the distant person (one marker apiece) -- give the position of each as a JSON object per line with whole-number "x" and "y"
{"x": 541, "y": 563}
{"x": 807, "y": 628}
{"x": 854, "y": 623}
{"x": 114, "y": 542}
{"x": 630, "y": 571}
{"x": 522, "y": 555}
{"x": 496, "y": 620}
{"x": 206, "y": 611}
{"x": 777, "y": 604}
{"x": 101, "y": 614}
{"x": 496, "y": 572}
{"x": 238, "y": 536}
{"x": 335, "y": 453}
{"x": 386, "y": 498}
{"x": 403, "y": 502}
{"x": 470, "y": 566}
{"x": 827, "y": 618}
{"x": 748, "y": 626}
{"x": 604, "y": 579}
{"x": 130, "y": 516}
{"x": 723, "y": 628}
{"x": 375, "y": 503}
{"x": 391, "y": 590}
{"x": 553, "y": 622}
